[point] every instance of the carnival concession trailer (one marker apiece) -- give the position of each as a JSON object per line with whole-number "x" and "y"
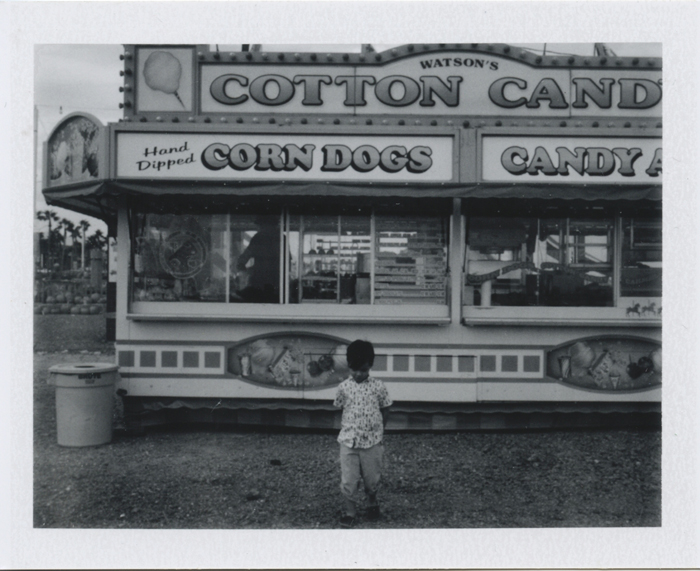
{"x": 488, "y": 217}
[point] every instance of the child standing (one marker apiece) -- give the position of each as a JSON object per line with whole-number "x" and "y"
{"x": 365, "y": 403}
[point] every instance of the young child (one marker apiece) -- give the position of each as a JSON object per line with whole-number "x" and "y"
{"x": 365, "y": 403}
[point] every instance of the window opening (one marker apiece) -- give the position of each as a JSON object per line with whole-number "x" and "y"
{"x": 641, "y": 258}
{"x": 357, "y": 256}
{"x": 541, "y": 261}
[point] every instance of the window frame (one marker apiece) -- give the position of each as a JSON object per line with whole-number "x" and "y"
{"x": 624, "y": 311}
{"x": 284, "y": 312}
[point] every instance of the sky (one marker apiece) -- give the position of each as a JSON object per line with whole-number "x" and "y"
{"x": 85, "y": 78}
{"x": 68, "y": 79}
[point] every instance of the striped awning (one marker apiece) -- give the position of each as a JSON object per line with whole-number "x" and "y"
{"x": 100, "y": 199}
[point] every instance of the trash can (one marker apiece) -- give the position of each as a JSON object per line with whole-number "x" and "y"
{"x": 84, "y": 402}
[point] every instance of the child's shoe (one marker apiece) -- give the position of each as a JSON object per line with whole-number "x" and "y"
{"x": 373, "y": 513}
{"x": 347, "y": 521}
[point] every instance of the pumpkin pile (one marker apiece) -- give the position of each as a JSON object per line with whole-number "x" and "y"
{"x": 89, "y": 304}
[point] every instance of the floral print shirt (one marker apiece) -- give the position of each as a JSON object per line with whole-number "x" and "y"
{"x": 361, "y": 425}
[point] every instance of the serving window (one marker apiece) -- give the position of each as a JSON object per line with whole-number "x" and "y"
{"x": 329, "y": 258}
{"x": 294, "y": 255}
{"x": 178, "y": 257}
{"x": 641, "y": 257}
{"x": 542, "y": 261}
{"x": 573, "y": 256}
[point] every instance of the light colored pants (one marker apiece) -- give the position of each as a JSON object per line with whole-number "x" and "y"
{"x": 356, "y": 464}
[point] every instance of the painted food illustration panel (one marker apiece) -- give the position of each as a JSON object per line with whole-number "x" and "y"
{"x": 608, "y": 363}
{"x": 73, "y": 152}
{"x": 290, "y": 361}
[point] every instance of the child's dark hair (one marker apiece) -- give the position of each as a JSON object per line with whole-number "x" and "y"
{"x": 360, "y": 353}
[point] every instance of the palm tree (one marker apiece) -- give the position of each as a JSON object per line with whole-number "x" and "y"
{"x": 98, "y": 240}
{"x": 56, "y": 240}
{"x": 49, "y": 216}
{"x": 68, "y": 227}
{"x": 84, "y": 224}
{"x": 96, "y": 243}
{"x": 74, "y": 235}
{"x": 57, "y": 243}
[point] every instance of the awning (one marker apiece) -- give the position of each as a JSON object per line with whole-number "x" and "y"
{"x": 100, "y": 200}
{"x": 92, "y": 200}
{"x": 564, "y": 192}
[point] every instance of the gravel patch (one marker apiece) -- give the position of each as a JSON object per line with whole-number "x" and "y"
{"x": 71, "y": 333}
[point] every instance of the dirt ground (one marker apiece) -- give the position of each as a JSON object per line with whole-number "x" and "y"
{"x": 71, "y": 333}
{"x": 192, "y": 477}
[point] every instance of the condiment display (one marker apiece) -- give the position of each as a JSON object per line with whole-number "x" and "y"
{"x": 411, "y": 264}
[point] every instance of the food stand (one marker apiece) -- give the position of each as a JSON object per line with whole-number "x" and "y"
{"x": 489, "y": 218}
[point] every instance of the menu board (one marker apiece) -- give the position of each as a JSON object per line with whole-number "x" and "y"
{"x": 410, "y": 264}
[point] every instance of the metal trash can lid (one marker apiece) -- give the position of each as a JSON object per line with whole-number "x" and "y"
{"x": 79, "y": 368}
{"x": 82, "y": 375}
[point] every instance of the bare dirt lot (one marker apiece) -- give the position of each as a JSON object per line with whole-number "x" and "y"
{"x": 192, "y": 477}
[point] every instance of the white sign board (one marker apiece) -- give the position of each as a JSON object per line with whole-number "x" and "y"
{"x": 571, "y": 160}
{"x": 288, "y": 157}
{"x": 447, "y": 83}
